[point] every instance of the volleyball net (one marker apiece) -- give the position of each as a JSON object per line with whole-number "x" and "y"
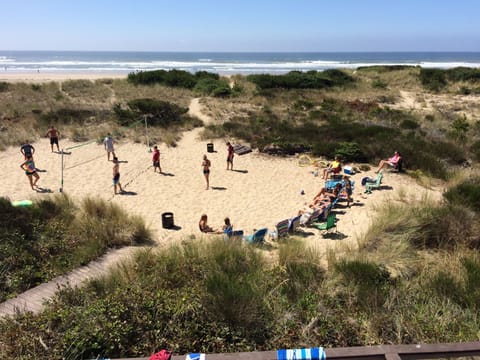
{"x": 67, "y": 163}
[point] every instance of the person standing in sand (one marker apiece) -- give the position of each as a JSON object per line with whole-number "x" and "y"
{"x": 108, "y": 143}
{"x": 156, "y": 159}
{"x": 29, "y": 167}
{"x": 116, "y": 176}
{"x": 27, "y": 150}
{"x": 230, "y": 156}
{"x": 206, "y": 170}
{"x": 53, "y": 134}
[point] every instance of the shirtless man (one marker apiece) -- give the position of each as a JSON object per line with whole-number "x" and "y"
{"x": 116, "y": 176}
{"x": 53, "y": 134}
{"x": 230, "y": 156}
{"x": 27, "y": 150}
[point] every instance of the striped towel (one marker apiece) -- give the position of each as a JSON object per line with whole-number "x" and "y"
{"x": 316, "y": 353}
{"x": 195, "y": 356}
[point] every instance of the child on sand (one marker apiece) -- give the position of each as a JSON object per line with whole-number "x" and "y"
{"x": 156, "y": 159}
{"x": 30, "y": 171}
{"x": 203, "y": 226}
{"x": 116, "y": 176}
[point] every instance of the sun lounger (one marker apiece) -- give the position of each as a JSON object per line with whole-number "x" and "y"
{"x": 281, "y": 229}
{"x": 257, "y": 237}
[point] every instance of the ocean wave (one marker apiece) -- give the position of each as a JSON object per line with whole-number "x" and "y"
{"x": 210, "y": 65}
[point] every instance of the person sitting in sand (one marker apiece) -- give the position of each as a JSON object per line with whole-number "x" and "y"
{"x": 204, "y": 228}
{"x": 29, "y": 167}
{"x": 227, "y": 228}
{"x": 53, "y": 134}
{"x": 333, "y": 167}
{"x": 393, "y": 161}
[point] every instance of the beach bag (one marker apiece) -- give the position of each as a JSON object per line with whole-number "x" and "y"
{"x": 161, "y": 355}
{"x": 366, "y": 180}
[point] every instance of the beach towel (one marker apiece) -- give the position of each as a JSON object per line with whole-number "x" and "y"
{"x": 161, "y": 355}
{"x": 241, "y": 149}
{"x": 195, "y": 356}
{"x": 316, "y": 353}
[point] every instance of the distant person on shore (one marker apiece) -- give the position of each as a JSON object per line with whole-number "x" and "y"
{"x": 30, "y": 170}
{"x": 108, "y": 143}
{"x": 116, "y": 176}
{"x": 230, "y": 156}
{"x": 206, "y": 170}
{"x": 156, "y": 159}
{"x": 393, "y": 161}
{"x": 205, "y": 228}
{"x": 27, "y": 150}
{"x": 227, "y": 228}
{"x": 53, "y": 134}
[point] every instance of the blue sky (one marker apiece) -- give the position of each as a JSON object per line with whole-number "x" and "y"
{"x": 241, "y": 25}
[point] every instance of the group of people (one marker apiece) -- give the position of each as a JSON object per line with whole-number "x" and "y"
{"x": 227, "y": 227}
{"x": 27, "y": 150}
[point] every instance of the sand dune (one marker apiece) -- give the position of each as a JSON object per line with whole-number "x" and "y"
{"x": 262, "y": 191}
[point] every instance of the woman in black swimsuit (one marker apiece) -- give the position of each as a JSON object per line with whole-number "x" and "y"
{"x": 206, "y": 169}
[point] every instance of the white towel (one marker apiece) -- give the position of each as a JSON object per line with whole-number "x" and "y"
{"x": 316, "y": 353}
{"x": 195, "y": 356}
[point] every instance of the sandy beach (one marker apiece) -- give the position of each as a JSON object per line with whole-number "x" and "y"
{"x": 43, "y": 77}
{"x": 261, "y": 191}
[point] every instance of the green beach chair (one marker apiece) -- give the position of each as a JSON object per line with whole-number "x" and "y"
{"x": 375, "y": 185}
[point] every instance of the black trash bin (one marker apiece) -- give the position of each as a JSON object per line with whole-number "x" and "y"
{"x": 167, "y": 220}
{"x": 210, "y": 148}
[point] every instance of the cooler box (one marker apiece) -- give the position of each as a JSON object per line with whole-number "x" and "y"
{"x": 348, "y": 170}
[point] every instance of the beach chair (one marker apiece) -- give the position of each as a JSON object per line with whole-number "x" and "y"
{"x": 293, "y": 224}
{"x": 329, "y": 224}
{"x": 309, "y": 217}
{"x": 257, "y": 237}
{"x": 281, "y": 229}
{"x": 370, "y": 186}
{"x": 236, "y": 234}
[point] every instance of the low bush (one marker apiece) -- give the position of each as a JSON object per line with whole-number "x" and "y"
{"x": 53, "y": 236}
{"x": 302, "y": 80}
{"x": 66, "y": 116}
{"x": 466, "y": 193}
{"x": 4, "y": 86}
{"x": 433, "y": 79}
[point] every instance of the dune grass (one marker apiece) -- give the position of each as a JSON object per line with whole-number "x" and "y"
{"x": 55, "y": 236}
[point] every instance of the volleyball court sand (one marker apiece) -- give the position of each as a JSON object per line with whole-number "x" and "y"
{"x": 260, "y": 192}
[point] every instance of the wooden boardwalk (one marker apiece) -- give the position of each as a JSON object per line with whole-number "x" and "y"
{"x": 33, "y": 299}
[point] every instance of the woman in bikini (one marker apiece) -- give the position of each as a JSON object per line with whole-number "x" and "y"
{"x": 204, "y": 228}
{"x": 206, "y": 170}
{"x": 30, "y": 171}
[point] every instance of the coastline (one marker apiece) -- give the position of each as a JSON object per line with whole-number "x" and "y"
{"x": 43, "y": 77}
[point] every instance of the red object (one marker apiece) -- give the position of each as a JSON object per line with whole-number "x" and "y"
{"x": 161, "y": 355}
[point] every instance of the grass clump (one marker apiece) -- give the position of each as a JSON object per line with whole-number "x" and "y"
{"x": 54, "y": 236}
{"x": 465, "y": 194}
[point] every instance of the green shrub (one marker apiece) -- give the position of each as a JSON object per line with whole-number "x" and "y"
{"x": 379, "y": 84}
{"x": 303, "y": 105}
{"x": 433, "y": 79}
{"x": 174, "y": 78}
{"x": 463, "y": 74}
{"x": 349, "y": 152}
{"x": 4, "y": 86}
{"x": 66, "y": 116}
{"x": 475, "y": 149}
{"x": 161, "y": 113}
{"x": 466, "y": 193}
{"x": 409, "y": 124}
{"x": 302, "y": 80}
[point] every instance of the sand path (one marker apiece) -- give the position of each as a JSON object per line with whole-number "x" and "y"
{"x": 260, "y": 192}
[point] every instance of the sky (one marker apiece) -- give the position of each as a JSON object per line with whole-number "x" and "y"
{"x": 240, "y": 25}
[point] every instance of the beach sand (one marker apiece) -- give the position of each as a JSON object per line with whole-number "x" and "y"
{"x": 262, "y": 190}
{"x": 43, "y": 77}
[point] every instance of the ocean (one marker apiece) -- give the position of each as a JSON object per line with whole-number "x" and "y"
{"x": 85, "y": 62}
